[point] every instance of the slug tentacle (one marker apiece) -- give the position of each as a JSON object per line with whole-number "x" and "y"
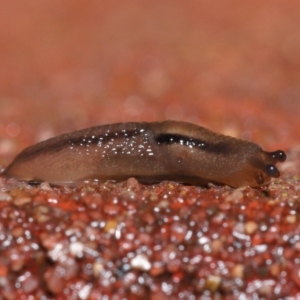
{"x": 278, "y": 156}
{"x": 272, "y": 171}
{"x": 151, "y": 152}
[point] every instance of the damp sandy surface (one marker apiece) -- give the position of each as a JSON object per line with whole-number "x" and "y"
{"x": 164, "y": 241}
{"x": 230, "y": 66}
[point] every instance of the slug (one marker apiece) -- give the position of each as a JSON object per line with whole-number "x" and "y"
{"x": 150, "y": 152}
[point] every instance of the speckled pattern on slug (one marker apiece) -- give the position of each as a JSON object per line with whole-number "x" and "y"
{"x": 115, "y": 143}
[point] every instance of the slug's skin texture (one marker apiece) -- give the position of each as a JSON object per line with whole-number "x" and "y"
{"x": 150, "y": 152}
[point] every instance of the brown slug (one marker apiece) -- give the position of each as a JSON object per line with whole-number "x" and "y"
{"x": 150, "y": 152}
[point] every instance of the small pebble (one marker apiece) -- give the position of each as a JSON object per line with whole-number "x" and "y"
{"x": 141, "y": 262}
{"x": 21, "y": 201}
{"x": 213, "y": 283}
{"x": 4, "y": 196}
{"x": 84, "y": 292}
{"x": 76, "y": 249}
{"x": 236, "y": 195}
{"x": 238, "y": 271}
{"x": 291, "y": 219}
{"x": 250, "y": 227}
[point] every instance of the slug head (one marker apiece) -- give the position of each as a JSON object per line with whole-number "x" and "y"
{"x": 257, "y": 170}
{"x": 271, "y": 158}
{"x": 264, "y": 166}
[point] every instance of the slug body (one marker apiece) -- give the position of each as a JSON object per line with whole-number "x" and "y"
{"x": 150, "y": 152}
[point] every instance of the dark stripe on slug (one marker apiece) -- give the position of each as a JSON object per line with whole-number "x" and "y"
{"x": 169, "y": 139}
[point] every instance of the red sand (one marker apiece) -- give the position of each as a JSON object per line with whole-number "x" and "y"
{"x": 233, "y": 67}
